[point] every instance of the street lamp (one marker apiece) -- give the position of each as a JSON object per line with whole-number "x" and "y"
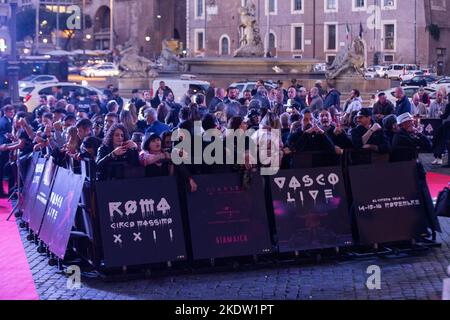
{"x": 88, "y": 37}
{"x": 147, "y": 38}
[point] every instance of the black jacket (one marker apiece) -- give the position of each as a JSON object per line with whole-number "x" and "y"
{"x": 5, "y": 127}
{"x": 105, "y": 160}
{"x": 419, "y": 142}
{"x": 377, "y": 139}
{"x": 341, "y": 140}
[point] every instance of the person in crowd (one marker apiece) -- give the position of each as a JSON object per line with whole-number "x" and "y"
{"x": 89, "y": 148}
{"x": 70, "y": 109}
{"x": 138, "y": 138}
{"x": 113, "y": 107}
{"x": 402, "y": 105}
{"x": 187, "y": 98}
{"x": 310, "y": 138}
{"x": 156, "y": 161}
{"x": 322, "y": 91}
{"x": 211, "y": 92}
{"x": 116, "y": 97}
{"x": 316, "y": 100}
{"x": 368, "y": 135}
{"x": 6, "y": 127}
{"x": 136, "y": 98}
{"x": 126, "y": 119}
{"x": 166, "y": 140}
{"x": 84, "y": 129}
{"x": 117, "y": 147}
{"x": 148, "y": 98}
{"x": 153, "y": 125}
{"x": 424, "y": 97}
{"x": 232, "y": 110}
{"x": 162, "y": 112}
{"x": 232, "y": 95}
{"x": 354, "y": 103}
{"x": 390, "y": 128}
{"x": 437, "y": 107}
{"x": 57, "y": 92}
{"x": 253, "y": 118}
{"x": 409, "y": 137}
{"x": 165, "y": 89}
{"x": 334, "y": 132}
{"x": 110, "y": 119}
{"x": 418, "y": 107}
{"x": 259, "y": 83}
{"x": 97, "y": 127}
{"x": 220, "y": 95}
{"x": 247, "y": 97}
{"x": 382, "y": 108}
{"x": 333, "y": 98}
{"x": 200, "y": 100}
{"x": 262, "y": 96}
{"x": 285, "y": 128}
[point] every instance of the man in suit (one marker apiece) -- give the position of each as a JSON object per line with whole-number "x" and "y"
{"x": 5, "y": 135}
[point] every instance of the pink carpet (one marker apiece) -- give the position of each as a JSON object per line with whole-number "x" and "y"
{"x": 437, "y": 183}
{"x": 16, "y": 281}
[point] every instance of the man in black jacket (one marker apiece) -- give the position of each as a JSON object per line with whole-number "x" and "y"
{"x": 409, "y": 137}
{"x": 336, "y": 134}
{"x": 368, "y": 135}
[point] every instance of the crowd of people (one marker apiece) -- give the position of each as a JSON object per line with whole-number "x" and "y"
{"x": 139, "y": 133}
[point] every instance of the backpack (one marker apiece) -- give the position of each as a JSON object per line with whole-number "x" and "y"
{"x": 443, "y": 203}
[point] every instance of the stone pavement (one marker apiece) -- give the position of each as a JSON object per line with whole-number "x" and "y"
{"x": 411, "y": 277}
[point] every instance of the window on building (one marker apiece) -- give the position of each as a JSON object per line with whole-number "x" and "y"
{"x": 331, "y": 5}
{"x": 359, "y": 5}
{"x": 200, "y": 40}
{"x": 199, "y": 8}
{"x": 331, "y": 37}
{"x": 389, "y": 37}
{"x": 272, "y": 42}
{"x": 297, "y": 37}
{"x": 224, "y": 46}
{"x": 298, "y": 5}
{"x": 271, "y": 7}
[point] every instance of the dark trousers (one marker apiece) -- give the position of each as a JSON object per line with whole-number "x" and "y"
{"x": 441, "y": 140}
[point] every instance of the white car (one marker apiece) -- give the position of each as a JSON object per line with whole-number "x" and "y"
{"x": 181, "y": 86}
{"x": 32, "y": 94}
{"x": 103, "y": 70}
{"x": 410, "y": 91}
{"x": 242, "y": 86}
{"x": 370, "y": 73}
{"x": 395, "y": 71}
{"x": 37, "y": 79}
{"x": 441, "y": 83}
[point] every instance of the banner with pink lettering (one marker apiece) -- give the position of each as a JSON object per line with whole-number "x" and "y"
{"x": 311, "y": 210}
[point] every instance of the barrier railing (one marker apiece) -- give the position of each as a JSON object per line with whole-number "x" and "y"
{"x": 337, "y": 202}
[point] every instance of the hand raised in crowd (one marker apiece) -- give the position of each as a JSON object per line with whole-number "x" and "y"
{"x": 130, "y": 145}
{"x": 120, "y": 151}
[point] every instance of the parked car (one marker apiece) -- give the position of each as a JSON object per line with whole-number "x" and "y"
{"x": 443, "y": 82}
{"x": 395, "y": 71}
{"x": 103, "y": 70}
{"x": 33, "y": 80}
{"x": 250, "y": 85}
{"x": 421, "y": 81}
{"x": 32, "y": 94}
{"x": 181, "y": 86}
{"x": 371, "y": 73}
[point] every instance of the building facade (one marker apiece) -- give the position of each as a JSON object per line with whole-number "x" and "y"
{"x": 394, "y": 31}
{"x": 146, "y": 22}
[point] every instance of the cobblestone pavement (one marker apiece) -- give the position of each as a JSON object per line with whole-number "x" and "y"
{"x": 411, "y": 277}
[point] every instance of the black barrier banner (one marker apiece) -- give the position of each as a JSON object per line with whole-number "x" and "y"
{"x": 31, "y": 192}
{"x": 140, "y": 221}
{"x": 60, "y": 214}
{"x": 430, "y": 127}
{"x": 226, "y": 219}
{"x": 28, "y": 179}
{"x": 311, "y": 210}
{"x": 387, "y": 202}
{"x": 42, "y": 195}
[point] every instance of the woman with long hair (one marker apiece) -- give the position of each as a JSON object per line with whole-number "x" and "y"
{"x": 117, "y": 148}
{"x": 126, "y": 119}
